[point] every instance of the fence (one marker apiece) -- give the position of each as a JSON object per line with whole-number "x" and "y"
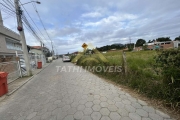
{"x": 15, "y": 69}
{"x": 35, "y": 58}
{"x": 12, "y": 68}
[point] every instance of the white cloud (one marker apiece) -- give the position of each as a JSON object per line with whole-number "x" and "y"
{"x": 92, "y": 14}
{"x": 101, "y": 22}
{"x": 112, "y": 20}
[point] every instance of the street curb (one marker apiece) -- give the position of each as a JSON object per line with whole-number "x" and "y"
{"x": 42, "y": 69}
{"x": 8, "y": 94}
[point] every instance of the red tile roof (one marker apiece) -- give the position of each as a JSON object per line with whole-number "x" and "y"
{"x": 36, "y": 47}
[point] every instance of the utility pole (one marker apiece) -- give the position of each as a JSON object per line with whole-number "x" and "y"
{"x": 52, "y": 49}
{"x": 130, "y": 43}
{"x": 130, "y": 40}
{"x": 42, "y": 47}
{"x": 22, "y": 36}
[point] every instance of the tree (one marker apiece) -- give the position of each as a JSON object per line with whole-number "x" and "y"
{"x": 149, "y": 41}
{"x": 48, "y": 54}
{"x": 140, "y": 42}
{"x": 163, "y": 39}
{"x": 177, "y": 38}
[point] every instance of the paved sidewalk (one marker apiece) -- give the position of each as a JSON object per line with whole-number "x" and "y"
{"x": 53, "y": 95}
{"x": 16, "y": 84}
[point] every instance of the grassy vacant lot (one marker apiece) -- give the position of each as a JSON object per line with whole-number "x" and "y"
{"x": 143, "y": 73}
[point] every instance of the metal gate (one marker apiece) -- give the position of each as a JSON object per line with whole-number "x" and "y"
{"x": 12, "y": 68}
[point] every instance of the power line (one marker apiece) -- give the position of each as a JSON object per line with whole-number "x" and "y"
{"x": 12, "y": 4}
{"x": 32, "y": 20}
{"x": 7, "y": 8}
{"x": 7, "y": 17}
{"x": 7, "y": 12}
{"x": 8, "y": 4}
{"x": 30, "y": 27}
{"x": 24, "y": 19}
{"x": 43, "y": 26}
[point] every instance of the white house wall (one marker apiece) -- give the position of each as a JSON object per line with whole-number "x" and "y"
{"x": 4, "y": 48}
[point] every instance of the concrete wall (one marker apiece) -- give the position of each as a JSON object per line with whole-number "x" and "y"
{"x": 7, "y": 33}
{"x": 150, "y": 47}
{"x": 36, "y": 51}
{"x": 167, "y": 46}
{"x": 3, "y": 47}
{"x": 176, "y": 44}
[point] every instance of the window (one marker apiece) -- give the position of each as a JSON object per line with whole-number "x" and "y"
{"x": 13, "y": 44}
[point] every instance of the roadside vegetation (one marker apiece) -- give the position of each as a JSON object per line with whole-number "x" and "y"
{"x": 155, "y": 74}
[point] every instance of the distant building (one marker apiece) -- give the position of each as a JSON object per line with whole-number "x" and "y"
{"x": 36, "y": 50}
{"x": 163, "y": 45}
{"x": 113, "y": 49}
{"x": 138, "y": 48}
{"x": 74, "y": 53}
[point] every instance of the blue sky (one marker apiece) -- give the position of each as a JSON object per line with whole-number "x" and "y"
{"x": 70, "y": 23}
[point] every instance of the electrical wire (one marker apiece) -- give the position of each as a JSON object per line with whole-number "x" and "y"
{"x": 43, "y": 25}
{"x": 32, "y": 21}
{"x": 8, "y": 4}
{"x": 32, "y": 29}
{"x": 9, "y": 10}
{"x": 11, "y": 3}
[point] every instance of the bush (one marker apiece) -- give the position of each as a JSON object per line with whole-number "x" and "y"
{"x": 169, "y": 63}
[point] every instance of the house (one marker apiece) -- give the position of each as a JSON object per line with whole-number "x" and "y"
{"x": 74, "y": 53}
{"x": 113, "y": 49}
{"x": 138, "y": 48}
{"x": 38, "y": 53}
{"x": 10, "y": 42}
{"x": 163, "y": 45}
{"x": 38, "y": 50}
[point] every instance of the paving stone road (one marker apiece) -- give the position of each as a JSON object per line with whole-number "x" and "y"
{"x": 73, "y": 95}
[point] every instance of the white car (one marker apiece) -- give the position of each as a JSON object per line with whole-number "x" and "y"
{"x": 66, "y": 59}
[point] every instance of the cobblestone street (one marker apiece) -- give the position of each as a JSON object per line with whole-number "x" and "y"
{"x": 53, "y": 95}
